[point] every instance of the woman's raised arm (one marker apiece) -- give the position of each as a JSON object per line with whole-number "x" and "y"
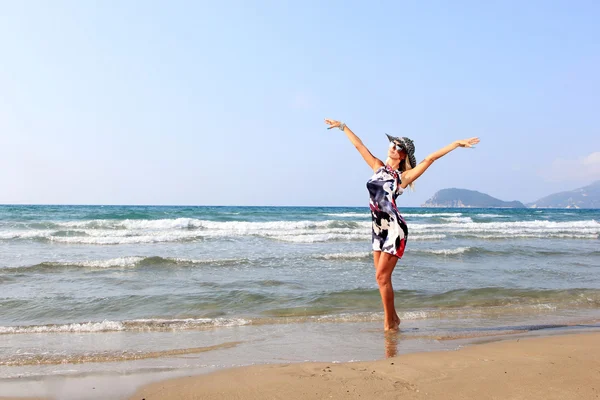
{"x": 373, "y": 161}
{"x": 412, "y": 174}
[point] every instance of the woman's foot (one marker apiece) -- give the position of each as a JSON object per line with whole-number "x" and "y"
{"x": 391, "y": 326}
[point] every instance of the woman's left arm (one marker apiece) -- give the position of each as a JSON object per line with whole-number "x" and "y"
{"x": 412, "y": 174}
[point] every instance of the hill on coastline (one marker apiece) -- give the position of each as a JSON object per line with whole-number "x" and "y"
{"x": 458, "y": 198}
{"x": 584, "y": 197}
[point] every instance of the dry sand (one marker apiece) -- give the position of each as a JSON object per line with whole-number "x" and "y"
{"x": 556, "y": 367}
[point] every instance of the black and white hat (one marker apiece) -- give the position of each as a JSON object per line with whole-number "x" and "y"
{"x": 407, "y": 145}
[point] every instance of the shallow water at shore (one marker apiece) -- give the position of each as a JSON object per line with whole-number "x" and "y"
{"x": 98, "y": 370}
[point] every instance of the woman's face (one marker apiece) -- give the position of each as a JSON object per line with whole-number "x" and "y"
{"x": 394, "y": 153}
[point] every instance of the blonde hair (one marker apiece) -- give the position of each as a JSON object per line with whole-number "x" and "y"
{"x": 405, "y": 166}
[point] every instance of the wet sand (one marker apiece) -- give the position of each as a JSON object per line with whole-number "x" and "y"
{"x": 555, "y": 367}
{"x": 547, "y": 367}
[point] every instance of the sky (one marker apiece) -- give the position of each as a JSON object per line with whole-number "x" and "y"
{"x": 222, "y": 103}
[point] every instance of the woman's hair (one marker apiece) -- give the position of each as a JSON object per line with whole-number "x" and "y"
{"x": 405, "y": 166}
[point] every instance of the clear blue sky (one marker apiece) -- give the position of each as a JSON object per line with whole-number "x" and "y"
{"x": 222, "y": 103}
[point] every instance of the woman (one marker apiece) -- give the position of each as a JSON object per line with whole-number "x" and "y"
{"x": 389, "y": 228}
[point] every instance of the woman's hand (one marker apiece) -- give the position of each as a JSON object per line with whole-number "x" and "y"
{"x": 332, "y": 123}
{"x": 467, "y": 142}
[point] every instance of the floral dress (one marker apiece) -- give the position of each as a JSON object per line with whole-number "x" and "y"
{"x": 389, "y": 228}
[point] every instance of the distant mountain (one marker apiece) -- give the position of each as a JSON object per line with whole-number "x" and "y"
{"x": 585, "y": 197}
{"x": 468, "y": 198}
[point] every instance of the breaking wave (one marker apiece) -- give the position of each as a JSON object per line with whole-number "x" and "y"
{"x": 114, "y": 232}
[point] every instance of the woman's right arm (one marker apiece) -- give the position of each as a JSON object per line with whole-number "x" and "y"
{"x": 411, "y": 175}
{"x": 373, "y": 161}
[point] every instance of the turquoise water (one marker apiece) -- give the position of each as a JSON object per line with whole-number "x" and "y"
{"x": 91, "y": 286}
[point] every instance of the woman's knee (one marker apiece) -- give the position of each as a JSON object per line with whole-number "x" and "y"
{"x": 383, "y": 277}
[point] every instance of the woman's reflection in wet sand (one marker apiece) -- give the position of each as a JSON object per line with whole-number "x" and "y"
{"x": 391, "y": 339}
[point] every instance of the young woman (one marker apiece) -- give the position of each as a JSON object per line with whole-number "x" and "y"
{"x": 389, "y": 228}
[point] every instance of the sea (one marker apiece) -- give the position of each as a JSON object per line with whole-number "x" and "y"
{"x": 93, "y": 295}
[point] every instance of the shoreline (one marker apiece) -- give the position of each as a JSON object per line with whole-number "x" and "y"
{"x": 568, "y": 362}
{"x": 545, "y": 367}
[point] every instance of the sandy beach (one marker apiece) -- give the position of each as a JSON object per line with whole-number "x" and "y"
{"x": 543, "y": 367}
{"x": 556, "y": 367}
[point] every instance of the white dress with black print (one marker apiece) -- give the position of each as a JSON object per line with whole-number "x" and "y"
{"x": 389, "y": 228}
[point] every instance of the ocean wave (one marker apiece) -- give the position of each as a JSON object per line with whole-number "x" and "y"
{"x": 425, "y": 237}
{"x": 192, "y": 223}
{"x": 110, "y": 232}
{"x": 134, "y": 224}
{"x": 549, "y": 226}
{"x": 574, "y": 229}
{"x": 102, "y": 236}
{"x": 457, "y": 219}
{"x": 131, "y": 325}
{"x": 354, "y": 306}
{"x": 127, "y": 239}
{"x": 129, "y": 262}
{"x": 31, "y": 234}
{"x": 113, "y": 262}
{"x": 87, "y": 327}
{"x": 316, "y": 238}
{"x": 341, "y": 236}
{"x": 345, "y": 256}
{"x": 502, "y": 297}
{"x": 364, "y": 255}
{"x": 533, "y": 236}
{"x": 445, "y": 252}
{"x": 158, "y": 261}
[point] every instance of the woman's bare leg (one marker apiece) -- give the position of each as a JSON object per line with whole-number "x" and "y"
{"x": 384, "y": 266}
{"x": 376, "y": 255}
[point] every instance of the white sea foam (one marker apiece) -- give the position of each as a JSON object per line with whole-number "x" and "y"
{"x": 411, "y": 315}
{"x": 346, "y": 256}
{"x": 426, "y": 237}
{"x": 329, "y": 237}
{"x": 185, "y": 323}
{"x": 316, "y": 238}
{"x": 517, "y": 227}
{"x": 133, "y": 261}
{"x": 133, "y": 224}
{"x": 132, "y": 239}
{"x": 29, "y": 234}
{"x": 458, "y": 219}
{"x": 132, "y": 325}
{"x": 446, "y": 252}
{"x": 215, "y": 261}
{"x": 113, "y": 262}
{"x": 103, "y": 326}
{"x": 519, "y": 224}
{"x": 367, "y": 254}
{"x": 191, "y": 223}
{"x": 110, "y": 232}
{"x": 539, "y": 236}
